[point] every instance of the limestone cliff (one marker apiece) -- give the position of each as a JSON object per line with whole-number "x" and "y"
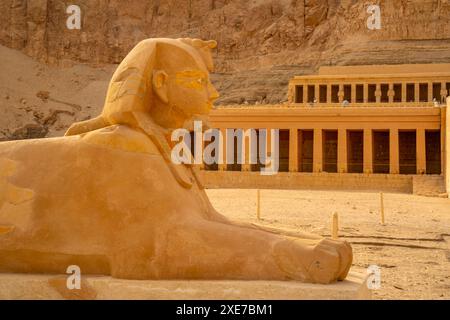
{"x": 261, "y": 43}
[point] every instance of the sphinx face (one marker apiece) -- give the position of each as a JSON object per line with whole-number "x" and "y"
{"x": 192, "y": 91}
{"x": 189, "y": 90}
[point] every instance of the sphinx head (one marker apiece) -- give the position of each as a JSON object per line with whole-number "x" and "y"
{"x": 181, "y": 84}
{"x": 167, "y": 79}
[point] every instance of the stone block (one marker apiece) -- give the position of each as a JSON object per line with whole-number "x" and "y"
{"x": 37, "y": 287}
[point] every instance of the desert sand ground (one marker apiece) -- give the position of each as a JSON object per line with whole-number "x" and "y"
{"x": 412, "y": 248}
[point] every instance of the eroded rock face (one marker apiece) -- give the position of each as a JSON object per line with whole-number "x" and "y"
{"x": 276, "y": 38}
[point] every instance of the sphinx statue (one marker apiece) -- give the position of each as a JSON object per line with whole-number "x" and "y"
{"x": 107, "y": 198}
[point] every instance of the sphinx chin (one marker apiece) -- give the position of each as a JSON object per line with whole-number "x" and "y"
{"x": 190, "y": 124}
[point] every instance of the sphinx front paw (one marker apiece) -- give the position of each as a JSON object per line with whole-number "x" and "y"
{"x": 331, "y": 261}
{"x": 323, "y": 262}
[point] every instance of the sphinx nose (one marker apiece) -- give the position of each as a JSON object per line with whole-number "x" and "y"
{"x": 213, "y": 94}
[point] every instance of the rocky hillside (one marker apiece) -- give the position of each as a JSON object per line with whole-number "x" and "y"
{"x": 261, "y": 43}
{"x": 38, "y": 100}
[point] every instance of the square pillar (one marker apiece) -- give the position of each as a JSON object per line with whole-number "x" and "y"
{"x": 293, "y": 150}
{"x": 246, "y": 165}
{"x": 341, "y": 93}
{"x": 366, "y": 92}
{"x": 368, "y": 151}
{"x": 394, "y": 158}
{"x": 443, "y": 93}
{"x": 269, "y": 142}
{"x": 416, "y": 92}
{"x": 391, "y": 93}
{"x": 291, "y": 93}
{"x": 443, "y": 139}
{"x": 342, "y": 150}
{"x": 305, "y": 94}
{"x": 378, "y": 93}
{"x": 328, "y": 93}
{"x": 317, "y": 151}
{"x": 446, "y": 144}
{"x": 353, "y": 93}
{"x": 202, "y": 146}
{"x": 223, "y": 148}
{"x": 430, "y": 92}
{"x": 404, "y": 92}
{"x": 299, "y": 150}
{"x": 421, "y": 153}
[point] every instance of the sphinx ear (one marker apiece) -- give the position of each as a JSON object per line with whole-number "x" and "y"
{"x": 159, "y": 83}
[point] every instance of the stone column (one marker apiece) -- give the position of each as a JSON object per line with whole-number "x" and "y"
{"x": 293, "y": 150}
{"x": 353, "y": 94}
{"x": 404, "y": 92}
{"x": 366, "y": 92}
{"x": 416, "y": 92}
{"x": 368, "y": 157}
{"x": 317, "y": 92}
{"x": 223, "y": 148}
{"x": 246, "y": 165}
{"x": 299, "y": 149}
{"x": 341, "y": 93}
{"x": 420, "y": 149}
{"x": 329, "y": 93}
{"x": 292, "y": 94}
{"x": 443, "y": 137}
{"x": 378, "y": 93}
{"x": 269, "y": 142}
{"x": 305, "y": 93}
{"x": 430, "y": 91}
{"x": 202, "y": 146}
{"x": 317, "y": 151}
{"x": 394, "y": 152}
{"x": 443, "y": 92}
{"x": 446, "y": 144}
{"x": 269, "y": 145}
{"x": 342, "y": 150}
{"x": 391, "y": 93}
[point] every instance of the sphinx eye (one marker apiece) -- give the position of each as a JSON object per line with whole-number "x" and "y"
{"x": 200, "y": 81}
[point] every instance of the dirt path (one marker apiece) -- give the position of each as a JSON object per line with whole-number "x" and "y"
{"x": 412, "y": 248}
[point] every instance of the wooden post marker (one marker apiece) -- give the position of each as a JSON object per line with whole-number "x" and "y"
{"x": 382, "y": 207}
{"x": 258, "y": 204}
{"x": 335, "y": 226}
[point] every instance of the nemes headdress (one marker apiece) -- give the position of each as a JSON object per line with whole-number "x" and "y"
{"x": 130, "y": 92}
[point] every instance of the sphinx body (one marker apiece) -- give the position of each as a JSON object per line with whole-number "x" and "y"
{"x": 106, "y": 198}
